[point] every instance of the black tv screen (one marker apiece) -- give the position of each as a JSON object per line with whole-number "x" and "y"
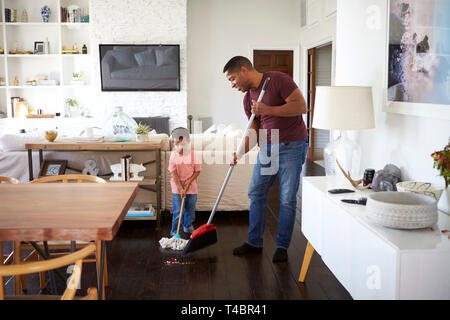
{"x": 139, "y": 67}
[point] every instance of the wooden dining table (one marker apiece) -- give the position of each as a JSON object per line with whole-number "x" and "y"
{"x": 65, "y": 211}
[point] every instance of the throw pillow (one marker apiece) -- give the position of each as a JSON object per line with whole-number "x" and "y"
{"x": 124, "y": 57}
{"x": 233, "y": 130}
{"x": 166, "y": 56}
{"x": 146, "y": 58}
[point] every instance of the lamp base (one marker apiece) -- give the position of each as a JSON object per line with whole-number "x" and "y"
{"x": 347, "y": 152}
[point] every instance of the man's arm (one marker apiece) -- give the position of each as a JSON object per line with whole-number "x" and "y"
{"x": 295, "y": 106}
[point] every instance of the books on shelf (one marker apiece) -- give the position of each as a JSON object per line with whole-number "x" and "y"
{"x": 74, "y": 14}
{"x": 125, "y": 167}
{"x": 74, "y": 51}
{"x": 146, "y": 210}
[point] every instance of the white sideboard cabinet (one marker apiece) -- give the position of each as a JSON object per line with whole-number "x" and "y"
{"x": 372, "y": 261}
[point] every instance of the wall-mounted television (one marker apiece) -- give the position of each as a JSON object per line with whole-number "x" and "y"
{"x": 140, "y": 67}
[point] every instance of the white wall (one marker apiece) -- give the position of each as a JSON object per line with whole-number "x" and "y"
{"x": 219, "y": 30}
{"x": 406, "y": 141}
{"x": 140, "y": 22}
{"x": 321, "y": 29}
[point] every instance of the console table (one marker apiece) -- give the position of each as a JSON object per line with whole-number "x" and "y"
{"x": 372, "y": 261}
{"x": 67, "y": 145}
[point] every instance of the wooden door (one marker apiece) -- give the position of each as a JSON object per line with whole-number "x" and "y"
{"x": 311, "y": 95}
{"x": 274, "y": 60}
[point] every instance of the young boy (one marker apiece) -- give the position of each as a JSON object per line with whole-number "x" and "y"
{"x": 184, "y": 169}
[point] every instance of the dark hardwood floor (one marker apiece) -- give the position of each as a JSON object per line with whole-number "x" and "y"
{"x": 138, "y": 267}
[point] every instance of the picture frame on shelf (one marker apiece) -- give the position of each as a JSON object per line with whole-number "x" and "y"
{"x": 39, "y": 47}
{"x": 53, "y": 168}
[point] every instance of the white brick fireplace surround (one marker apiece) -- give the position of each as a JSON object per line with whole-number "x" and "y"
{"x": 141, "y": 22}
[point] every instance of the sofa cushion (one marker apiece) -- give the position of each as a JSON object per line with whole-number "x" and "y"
{"x": 146, "y": 58}
{"x": 216, "y": 142}
{"x": 233, "y": 130}
{"x": 165, "y": 140}
{"x": 124, "y": 57}
{"x": 16, "y": 142}
{"x": 146, "y": 73}
{"x": 166, "y": 56}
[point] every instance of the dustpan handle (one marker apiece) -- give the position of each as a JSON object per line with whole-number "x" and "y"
{"x": 239, "y": 151}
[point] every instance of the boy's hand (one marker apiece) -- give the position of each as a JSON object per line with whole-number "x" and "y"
{"x": 180, "y": 186}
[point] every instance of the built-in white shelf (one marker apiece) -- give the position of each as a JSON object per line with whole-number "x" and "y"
{"x": 22, "y": 36}
{"x": 31, "y": 24}
{"x": 34, "y": 56}
{"x": 46, "y": 55}
{"x": 33, "y": 87}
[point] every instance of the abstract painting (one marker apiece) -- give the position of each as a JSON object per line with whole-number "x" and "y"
{"x": 419, "y": 52}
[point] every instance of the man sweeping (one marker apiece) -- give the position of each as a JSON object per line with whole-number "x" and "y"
{"x": 282, "y": 151}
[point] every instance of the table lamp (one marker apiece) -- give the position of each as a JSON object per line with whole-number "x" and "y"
{"x": 343, "y": 108}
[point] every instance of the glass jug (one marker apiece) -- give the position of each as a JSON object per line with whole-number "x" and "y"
{"x": 119, "y": 126}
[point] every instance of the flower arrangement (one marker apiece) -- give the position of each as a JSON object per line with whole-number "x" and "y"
{"x": 442, "y": 163}
{"x": 142, "y": 129}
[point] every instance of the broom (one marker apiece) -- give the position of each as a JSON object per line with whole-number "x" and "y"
{"x": 206, "y": 234}
{"x": 175, "y": 243}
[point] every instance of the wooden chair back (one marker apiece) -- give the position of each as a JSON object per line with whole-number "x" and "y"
{"x": 9, "y": 180}
{"x": 69, "y": 177}
{"x": 46, "y": 265}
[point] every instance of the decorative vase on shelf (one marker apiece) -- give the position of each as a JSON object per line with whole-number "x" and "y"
{"x": 119, "y": 126}
{"x": 24, "y": 16}
{"x": 45, "y": 13}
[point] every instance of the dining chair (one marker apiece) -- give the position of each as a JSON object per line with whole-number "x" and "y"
{"x": 9, "y": 180}
{"x": 66, "y": 245}
{"x": 75, "y": 258}
{"x": 8, "y": 258}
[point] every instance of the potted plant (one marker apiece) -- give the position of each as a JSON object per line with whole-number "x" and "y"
{"x": 142, "y": 132}
{"x": 441, "y": 161}
{"x": 73, "y": 107}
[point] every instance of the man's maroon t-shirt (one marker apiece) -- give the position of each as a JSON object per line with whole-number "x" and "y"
{"x": 280, "y": 87}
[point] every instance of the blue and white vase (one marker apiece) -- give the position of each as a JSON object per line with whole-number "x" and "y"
{"x": 45, "y": 13}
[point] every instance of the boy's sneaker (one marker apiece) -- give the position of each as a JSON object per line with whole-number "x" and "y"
{"x": 246, "y": 248}
{"x": 189, "y": 229}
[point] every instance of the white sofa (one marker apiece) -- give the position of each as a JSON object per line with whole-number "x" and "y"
{"x": 214, "y": 149}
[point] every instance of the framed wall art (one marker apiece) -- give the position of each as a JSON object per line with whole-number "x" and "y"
{"x": 418, "y": 58}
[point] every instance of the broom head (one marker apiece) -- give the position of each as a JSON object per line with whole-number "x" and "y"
{"x": 202, "y": 237}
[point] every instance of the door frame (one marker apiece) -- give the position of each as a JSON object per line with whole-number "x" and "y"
{"x": 295, "y": 49}
{"x": 330, "y": 40}
{"x": 325, "y": 41}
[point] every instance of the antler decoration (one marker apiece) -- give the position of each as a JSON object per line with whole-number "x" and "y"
{"x": 355, "y": 183}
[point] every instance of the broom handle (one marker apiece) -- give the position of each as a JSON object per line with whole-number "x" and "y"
{"x": 239, "y": 151}
{"x": 181, "y": 213}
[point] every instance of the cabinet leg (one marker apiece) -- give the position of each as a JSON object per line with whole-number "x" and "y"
{"x": 306, "y": 261}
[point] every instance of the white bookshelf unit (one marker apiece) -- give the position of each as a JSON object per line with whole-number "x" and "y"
{"x": 21, "y": 36}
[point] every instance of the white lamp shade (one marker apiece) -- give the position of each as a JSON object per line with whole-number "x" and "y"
{"x": 343, "y": 108}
